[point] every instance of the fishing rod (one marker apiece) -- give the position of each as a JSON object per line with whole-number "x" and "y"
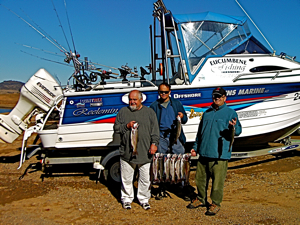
{"x": 60, "y": 25}
{"x": 45, "y": 59}
{"x": 57, "y": 54}
{"x": 48, "y": 52}
{"x": 69, "y": 25}
{"x": 256, "y": 26}
{"x": 44, "y": 36}
{"x": 44, "y": 31}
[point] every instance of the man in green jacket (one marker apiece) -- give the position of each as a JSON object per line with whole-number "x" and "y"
{"x": 218, "y": 126}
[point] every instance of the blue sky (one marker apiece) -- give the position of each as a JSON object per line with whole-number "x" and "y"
{"x": 116, "y": 32}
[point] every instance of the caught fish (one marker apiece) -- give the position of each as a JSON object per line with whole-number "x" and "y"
{"x": 161, "y": 167}
{"x": 232, "y": 133}
{"x": 155, "y": 167}
{"x": 134, "y": 138}
{"x": 182, "y": 168}
{"x": 172, "y": 168}
{"x": 186, "y": 168}
{"x": 178, "y": 129}
{"x": 177, "y": 167}
{"x": 167, "y": 163}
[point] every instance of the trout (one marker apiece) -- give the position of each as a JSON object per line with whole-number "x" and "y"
{"x": 182, "y": 168}
{"x": 177, "y": 167}
{"x": 178, "y": 129}
{"x": 172, "y": 168}
{"x": 134, "y": 138}
{"x": 232, "y": 133}
{"x": 155, "y": 167}
{"x": 187, "y": 168}
{"x": 167, "y": 163}
{"x": 161, "y": 167}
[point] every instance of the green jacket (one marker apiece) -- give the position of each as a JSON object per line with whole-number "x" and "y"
{"x": 213, "y": 136}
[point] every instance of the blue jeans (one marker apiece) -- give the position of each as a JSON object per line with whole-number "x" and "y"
{"x": 164, "y": 145}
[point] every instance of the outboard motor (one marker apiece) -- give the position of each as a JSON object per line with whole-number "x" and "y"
{"x": 41, "y": 90}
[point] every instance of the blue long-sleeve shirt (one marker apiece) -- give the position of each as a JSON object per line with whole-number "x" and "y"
{"x": 213, "y": 136}
{"x": 177, "y": 107}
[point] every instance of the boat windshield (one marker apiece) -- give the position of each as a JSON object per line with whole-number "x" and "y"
{"x": 206, "y": 38}
{"x": 211, "y": 34}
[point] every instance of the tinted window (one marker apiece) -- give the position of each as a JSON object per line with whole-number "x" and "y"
{"x": 266, "y": 68}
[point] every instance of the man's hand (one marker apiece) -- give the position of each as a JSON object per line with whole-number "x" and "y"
{"x": 193, "y": 152}
{"x": 232, "y": 122}
{"x": 130, "y": 124}
{"x": 180, "y": 114}
{"x": 153, "y": 149}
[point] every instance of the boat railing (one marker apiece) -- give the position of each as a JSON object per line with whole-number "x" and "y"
{"x": 125, "y": 84}
{"x": 256, "y": 74}
{"x": 112, "y": 85}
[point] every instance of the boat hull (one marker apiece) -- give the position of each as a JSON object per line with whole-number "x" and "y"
{"x": 266, "y": 112}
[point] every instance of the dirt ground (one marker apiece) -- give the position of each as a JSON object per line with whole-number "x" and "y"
{"x": 259, "y": 190}
{"x": 8, "y": 100}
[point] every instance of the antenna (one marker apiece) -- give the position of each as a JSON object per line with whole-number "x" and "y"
{"x": 256, "y": 26}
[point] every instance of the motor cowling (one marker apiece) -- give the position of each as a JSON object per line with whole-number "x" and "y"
{"x": 41, "y": 91}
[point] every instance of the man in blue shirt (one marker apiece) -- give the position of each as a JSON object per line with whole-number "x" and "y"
{"x": 214, "y": 145}
{"x": 167, "y": 110}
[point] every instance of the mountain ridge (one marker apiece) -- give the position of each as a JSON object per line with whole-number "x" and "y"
{"x": 11, "y": 86}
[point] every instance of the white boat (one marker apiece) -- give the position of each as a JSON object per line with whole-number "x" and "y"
{"x": 194, "y": 53}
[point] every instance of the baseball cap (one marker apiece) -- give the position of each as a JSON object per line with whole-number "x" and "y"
{"x": 219, "y": 92}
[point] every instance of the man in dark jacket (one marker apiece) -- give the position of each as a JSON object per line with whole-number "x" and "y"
{"x": 167, "y": 110}
{"x": 218, "y": 126}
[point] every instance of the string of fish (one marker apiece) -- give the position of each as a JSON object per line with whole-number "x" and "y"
{"x": 172, "y": 168}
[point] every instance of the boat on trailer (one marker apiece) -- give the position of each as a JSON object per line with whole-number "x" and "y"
{"x": 194, "y": 53}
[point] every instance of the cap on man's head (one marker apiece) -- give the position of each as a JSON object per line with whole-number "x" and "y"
{"x": 219, "y": 91}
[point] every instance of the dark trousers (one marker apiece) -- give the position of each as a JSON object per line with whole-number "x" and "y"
{"x": 216, "y": 170}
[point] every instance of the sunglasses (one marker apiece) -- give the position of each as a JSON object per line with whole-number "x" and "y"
{"x": 163, "y": 92}
{"x": 217, "y": 96}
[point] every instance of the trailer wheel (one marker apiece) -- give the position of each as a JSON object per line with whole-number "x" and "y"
{"x": 113, "y": 168}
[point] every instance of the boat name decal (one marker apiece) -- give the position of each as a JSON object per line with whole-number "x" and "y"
{"x": 193, "y": 95}
{"x": 230, "y": 92}
{"x": 247, "y": 91}
{"x": 251, "y": 91}
{"x": 99, "y": 111}
{"x": 46, "y": 89}
{"x": 228, "y": 65}
{"x": 253, "y": 113}
{"x": 228, "y": 60}
{"x": 194, "y": 114}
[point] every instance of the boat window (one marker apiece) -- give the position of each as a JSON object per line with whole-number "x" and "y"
{"x": 252, "y": 46}
{"x": 206, "y": 38}
{"x": 266, "y": 68}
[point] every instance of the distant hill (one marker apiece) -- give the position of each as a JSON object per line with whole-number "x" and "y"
{"x": 10, "y": 86}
